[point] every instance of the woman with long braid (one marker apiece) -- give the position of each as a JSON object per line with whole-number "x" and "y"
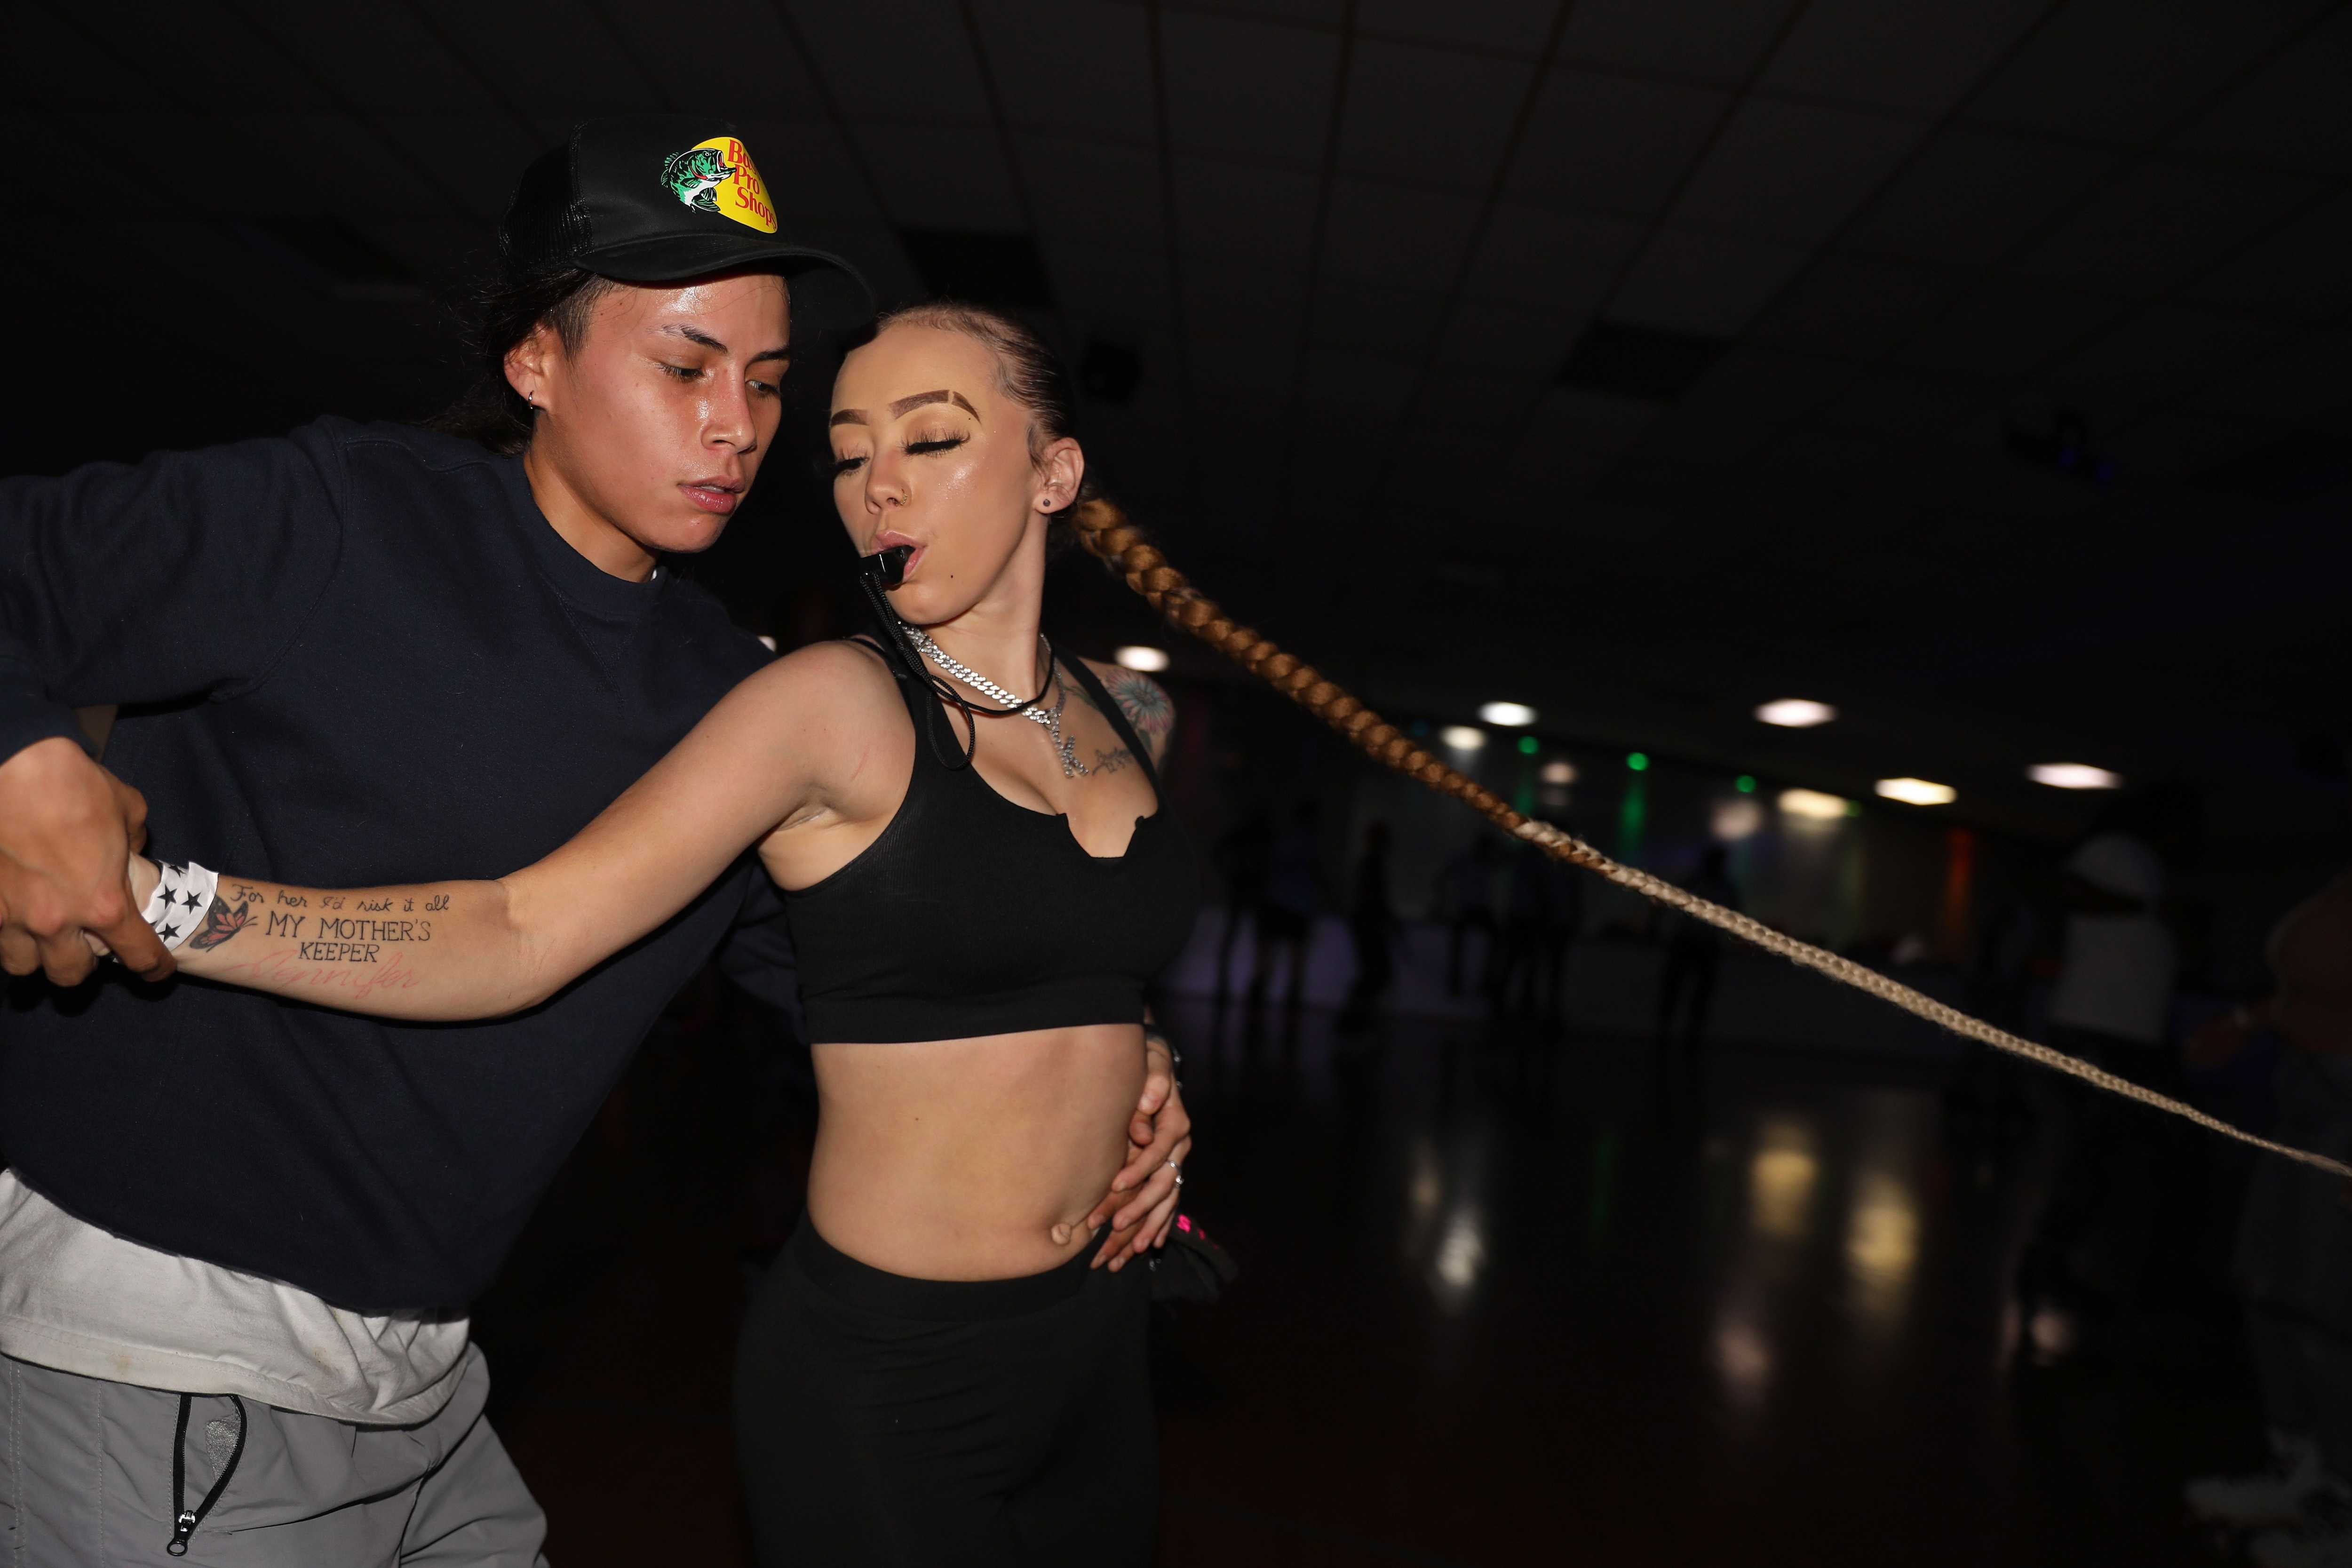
{"x": 980, "y": 879}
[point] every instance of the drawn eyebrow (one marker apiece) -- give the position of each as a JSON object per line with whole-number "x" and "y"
{"x": 706, "y": 341}
{"x": 943, "y": 396}
{"x": 846, "y": 416}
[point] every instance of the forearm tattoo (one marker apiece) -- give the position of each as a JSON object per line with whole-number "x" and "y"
{"x": 229, "y": 914}
{"x": 1145, "y": 703}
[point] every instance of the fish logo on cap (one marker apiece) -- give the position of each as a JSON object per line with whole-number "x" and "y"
{"x": 717, "y": 176}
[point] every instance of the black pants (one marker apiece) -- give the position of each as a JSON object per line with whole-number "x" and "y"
{"x": 924, "y": 1423}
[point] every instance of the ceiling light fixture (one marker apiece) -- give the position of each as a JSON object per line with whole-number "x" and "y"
{"x": 1510, "y": 715}
{"x": 1463, "y": 737}
{"x": 2073, "y": 776}
{"x": 1917, "y": 792}
{"x": 1150, "y": 660}
{"x": 1796, "y": 713}
{"x": 1813, "y": 804}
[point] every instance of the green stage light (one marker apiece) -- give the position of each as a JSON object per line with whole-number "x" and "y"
{"x": 1638, "y": 761}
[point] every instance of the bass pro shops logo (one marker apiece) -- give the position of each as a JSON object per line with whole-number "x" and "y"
{"x": 717, "y": 176}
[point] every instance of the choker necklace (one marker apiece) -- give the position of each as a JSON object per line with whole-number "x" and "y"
{"x": 1051, "y": 717}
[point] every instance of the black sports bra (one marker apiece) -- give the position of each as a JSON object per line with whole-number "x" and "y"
{"x": 971, "y": 915}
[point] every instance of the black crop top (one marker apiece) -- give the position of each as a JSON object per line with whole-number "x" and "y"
{"x": 971, "y": 915}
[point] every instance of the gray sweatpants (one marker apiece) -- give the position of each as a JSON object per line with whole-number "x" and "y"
{"x": 86, "y": 1479}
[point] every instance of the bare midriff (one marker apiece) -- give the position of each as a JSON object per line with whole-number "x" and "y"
{"x": 973, "y": 1159}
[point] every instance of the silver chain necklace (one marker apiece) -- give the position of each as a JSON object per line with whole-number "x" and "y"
{"x": 1051, "y": 717}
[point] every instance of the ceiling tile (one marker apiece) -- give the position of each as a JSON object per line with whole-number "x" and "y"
{"x": 2301, "y": 386}
{"x": 1736, "y": 406}
{"x": 2292, "y": 111}
{"x": 1466, "y": 398}
{"x": 379, "y": 57}
{"x": 2006, "y": 326}
{"x": 1399, "y": 323}
{"x": 1702, "y": 282}
{"x": 1533, "y": 258}
{"x": 1917, "y": 57}
{"x": 2168, "y": 446}
{"x": 1396, "y": 236}
{"x": 1435, "y": 116}
{"x": 1894, "y": 405}
{"x": 1238, "y": 209}
{"x": 477, "y": 156}
{"x": 1610, "y": 144}
{"x": 204, "y": 49}
{"x": 1791, "y": 171}
{"x": 2157, "y": 353}
{"x": 926, "y": 74}
{"x": 553, "y": 59}
{"x": 1590, "y": 422}
{"x": 2160, "y": 222}
{"x": 1096, "y": 191}
{"x": 1716, "y": 40}
{"x": 1248, "y": 88}
{"x": 2299, "y": 271}
{"x": 1858, "y": 307}
{"x": 1513, "y": 26}
{"x": 1073, "y": 65}
{"x": 1109, "y": 283}
{"x": 2121, "y": 70}
{"x": 1354, "y": 385}
{"x": 1252, "y": 369}
{"x": 938, "y": 177}
{"x": 1972, "y": 194}
{"x": 1532, "y": 339}
{"x": 1304, "y": 13}
{"x": 1231, "y": 298}
{"x": 757, "y": 77}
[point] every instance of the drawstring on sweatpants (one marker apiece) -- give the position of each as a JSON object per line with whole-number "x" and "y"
{"x": 183, "y": 1522}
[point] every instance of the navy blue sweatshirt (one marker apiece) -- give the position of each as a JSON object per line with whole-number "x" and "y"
{"x": 355, "y": 656}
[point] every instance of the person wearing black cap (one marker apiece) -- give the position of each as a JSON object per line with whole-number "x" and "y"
{"x": 237, "y": 1233}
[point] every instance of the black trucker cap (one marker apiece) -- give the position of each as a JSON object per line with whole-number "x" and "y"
{"x": 660, "y": 199}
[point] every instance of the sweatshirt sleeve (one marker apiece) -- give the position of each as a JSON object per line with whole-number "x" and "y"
{"x": 182, "y": 576}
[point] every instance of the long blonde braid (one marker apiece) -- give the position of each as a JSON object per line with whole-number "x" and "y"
{"x": 1105, "y": 531}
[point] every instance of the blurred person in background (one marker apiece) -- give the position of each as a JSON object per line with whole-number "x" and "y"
{"x": 1541, "y": 921}
{"x": 2294, "y": 1262}
{"x": 1694, "y": 953}
{"x": 1465, "y": 900}
{"x": 2111, "y": 1005}
{"x": 1373, "y": 927}
{"x": 1243, "y": 858}
{"x": 1287, "y": 908}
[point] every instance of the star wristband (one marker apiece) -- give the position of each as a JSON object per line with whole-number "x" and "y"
{"x": 177, "y": 905}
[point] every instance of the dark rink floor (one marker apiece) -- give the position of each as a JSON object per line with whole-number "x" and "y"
{"x": 1502, "y": 1303}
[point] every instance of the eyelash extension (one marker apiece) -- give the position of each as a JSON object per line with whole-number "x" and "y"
{"x": 841, "y": 466}
{"x": 944, "y": 444}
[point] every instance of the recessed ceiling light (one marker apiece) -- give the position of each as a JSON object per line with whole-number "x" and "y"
{"x": 1732, "y": 820}
{"x": 1796, "y": 713}
{"x": 1560, "y": 773}
{"x": 2073, "y": 776}
{"x": 1812, "y": 802}
{"x": 1507, "y": 714}
{"x": 1463, "y": 737}
{"x": 1917, "y": 792}
{"x": 1150, "y": 660}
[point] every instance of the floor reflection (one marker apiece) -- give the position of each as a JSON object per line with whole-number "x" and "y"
{"x": 1507, "y": 1299}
